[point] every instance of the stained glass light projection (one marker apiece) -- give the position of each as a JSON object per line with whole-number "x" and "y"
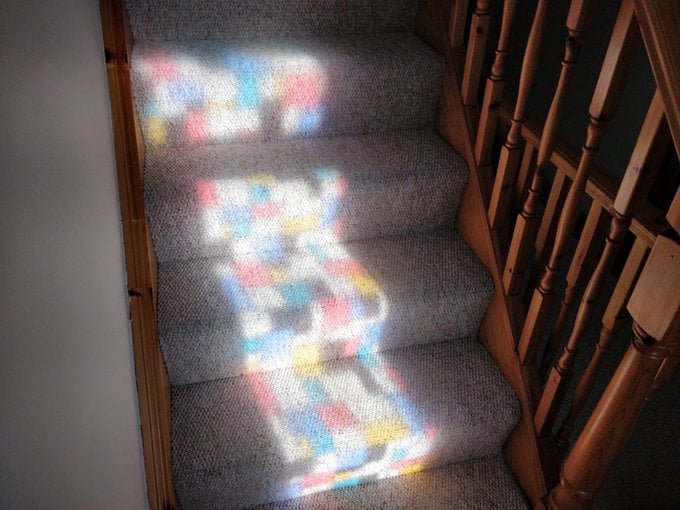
{"x": 301, "y": 298}
{"x": 245, "y": 95}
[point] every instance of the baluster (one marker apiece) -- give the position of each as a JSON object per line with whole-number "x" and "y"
{"x": 637, "y": 180}
{"x": 526, "y": 172}
{"x": 474, "y": 58}
{"x": 655, "y": 308}
{"x": 459, "y": 11}
{"x": 510, "y": 152}
{"x": 612, "y": 321}
{"x": 605, "y": 100}
{"x": 582, "y": 264}
{"x": 525, "y": 228}
{"x": 546, "y": 232}
{"x": 493, "y": 93}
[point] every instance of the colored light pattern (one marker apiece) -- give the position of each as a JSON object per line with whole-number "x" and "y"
{"x": 236, "y": 97}
{"x": 301, "y": 298}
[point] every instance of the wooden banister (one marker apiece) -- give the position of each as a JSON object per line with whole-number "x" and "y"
{"x": 603, "y": 105}
{"x": 493, "y": 93}
{"x": 612, "y": 322}
{"x": 655, "y": 308}
{"x": 659, "y": 22}
{"x": 510, "y": 153}
{"x": 525, "y": 228}
{"x": 636, "y": 183}
{"x": 474, "y": 59}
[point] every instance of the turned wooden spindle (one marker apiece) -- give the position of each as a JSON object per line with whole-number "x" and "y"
{"x": 637, "y": 180}
{"x": 526, "y": 172}
{"x": 622, "y": 44}
{"x": 459, "y": 11}
{"x": 524, "y": 234}
{"x": 474, "y": 58}
{"x": 493, "y": 93}
{"x": 655, "y": 308}
{"x": 582, "y": 264}
{"x": 511, "y": 150}
{"x": 612, "y": 322}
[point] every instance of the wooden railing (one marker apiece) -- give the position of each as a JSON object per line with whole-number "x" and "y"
{"x": 532, "y": 220}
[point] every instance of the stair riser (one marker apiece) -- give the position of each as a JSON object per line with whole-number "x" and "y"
{"x": 286, "y": 433}
{"x": 217, "y": 19}
{"x": 222, "y": 317}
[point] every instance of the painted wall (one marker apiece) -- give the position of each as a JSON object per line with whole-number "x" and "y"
{"x": 69, "y": 426}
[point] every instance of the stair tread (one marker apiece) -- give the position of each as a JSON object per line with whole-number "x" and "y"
{"x": 258, "y": 438}
{"x": 373, "y": 294}
{"x": 210, "y": 91}
{"x": 179, "y": 19}
{"x": 478, "y": 484}
{"x": 389, "y": 183}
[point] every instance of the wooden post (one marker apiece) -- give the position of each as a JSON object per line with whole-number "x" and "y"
{"x": 524, "y": 233}
{"x": 655, "y": 308}
{"x": 511, "y": 151}
{"x": 493, "y": 93}
{"x": 612, "y": 322}
{"x": 474, "y": 58}
{"x": 604, "y": 103}
{"x": 644, "y": 163}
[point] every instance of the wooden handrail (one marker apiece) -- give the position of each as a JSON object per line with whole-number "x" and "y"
{"x": 659, "y": 22}
{"x": 655, "y": 308}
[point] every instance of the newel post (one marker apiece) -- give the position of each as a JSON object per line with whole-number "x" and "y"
{"x": 655, "y": 308}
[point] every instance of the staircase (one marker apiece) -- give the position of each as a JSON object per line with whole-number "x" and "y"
{"x": 317, "y": 312}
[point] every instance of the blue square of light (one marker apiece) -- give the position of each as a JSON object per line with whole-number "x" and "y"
{"x": 259, "y": 192}
{"x": 374, "y": 333}
{"x": 409, "y": 413}
{"x": 296, "y": 294}
{"x": 316, "y": 250}
{"x": 187, "y": 92}
{"x": 330, "y": 215}
{"x": 248, "y": 92}
{"x": 236, "y": 215}
{"x": 305, "y": 421}
{"x": 322, "y": 444}
{"x": 241, "y": 230}
{"x": 233, "y": 289}
{"x": 353, "y": 458}
{"x": 315, "y": 392}
{"x": 269, "y": 249}
{"x": 358, "y": 308}
{"x": 310, "y": 119}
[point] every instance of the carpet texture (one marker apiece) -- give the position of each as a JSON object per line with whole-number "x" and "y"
{"x": 268, "y": 437}
{"x": 385, "y": 293}
{"x": 199, "y": 92}
{"x": 317, "y": 312}
{"x": 480, "y": 484}
{"x": 161, "y": 20}
{"x": 385, "y": 185}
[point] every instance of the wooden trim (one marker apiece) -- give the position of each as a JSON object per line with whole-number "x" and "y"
{"x": 153, "y": 388}
{"x": 455, "y": 123}
{"x": 659, "y": 22}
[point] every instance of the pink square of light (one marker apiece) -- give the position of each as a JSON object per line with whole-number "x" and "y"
{"x": 207, "y": 193}
{"x": 336, "y": 416}
{"x": 252, "y": 275}
{"x": 336, "y": 312}
{"x": 195, "y": 127}
{"x": 304, "y": 90}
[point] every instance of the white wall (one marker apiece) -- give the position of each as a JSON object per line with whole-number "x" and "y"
{"x": 69, "y": 427}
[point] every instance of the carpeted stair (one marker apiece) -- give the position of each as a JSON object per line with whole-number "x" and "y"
{"x": 317, "y": 311}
